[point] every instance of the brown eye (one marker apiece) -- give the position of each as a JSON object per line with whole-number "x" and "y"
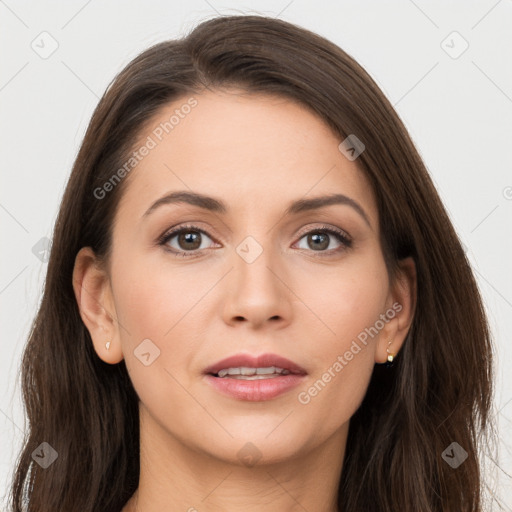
{"x": 188, "y": 240}
{"x": 318, "y": 240}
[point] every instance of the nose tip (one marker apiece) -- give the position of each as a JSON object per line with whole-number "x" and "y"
{"x": 256, "y": 295}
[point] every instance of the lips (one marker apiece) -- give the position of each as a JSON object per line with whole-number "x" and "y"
{"x": 254, "y": 378}
{"x": 261, "y": 361}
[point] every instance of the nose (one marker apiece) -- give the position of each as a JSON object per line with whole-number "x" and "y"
{"x": 257, "y": 293}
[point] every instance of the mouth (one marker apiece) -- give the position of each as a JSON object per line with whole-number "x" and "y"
{"x": 247, "y": 373}
{"x": 247, "y": 367}
{"x": 254, "y": 378}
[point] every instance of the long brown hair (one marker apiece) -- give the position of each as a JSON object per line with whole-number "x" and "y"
{"x": 440, "y": 389}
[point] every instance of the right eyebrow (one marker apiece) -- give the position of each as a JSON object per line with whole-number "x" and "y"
{"x": 193, "y": 198}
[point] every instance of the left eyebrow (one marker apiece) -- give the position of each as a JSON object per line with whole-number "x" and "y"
{"x": 218, "y": 206}
{"x": 302, "y": 205}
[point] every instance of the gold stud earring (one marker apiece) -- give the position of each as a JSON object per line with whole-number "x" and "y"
{"x": 391, "y": 356}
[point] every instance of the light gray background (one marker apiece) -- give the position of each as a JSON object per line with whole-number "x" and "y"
{"x": 457, "y": 110}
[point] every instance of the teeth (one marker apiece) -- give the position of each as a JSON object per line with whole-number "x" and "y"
{"x": 267, "y": 371}
{"x": 255, "y": 377}
{"x": 244, "y": 371}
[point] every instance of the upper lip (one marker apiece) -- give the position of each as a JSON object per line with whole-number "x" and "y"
{"x": 260, "y": 361}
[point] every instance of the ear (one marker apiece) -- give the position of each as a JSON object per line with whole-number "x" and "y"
{"x": 401, "y": 304}
{"x": 93, "y": 293}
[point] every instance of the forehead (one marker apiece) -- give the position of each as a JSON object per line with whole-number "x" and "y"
{"x": 253, "y": 150}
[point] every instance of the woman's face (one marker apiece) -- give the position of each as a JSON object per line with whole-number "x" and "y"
{"x": 248, "y": 279}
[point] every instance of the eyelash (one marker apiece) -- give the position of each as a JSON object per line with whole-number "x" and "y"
{"x": 338, "y": 234}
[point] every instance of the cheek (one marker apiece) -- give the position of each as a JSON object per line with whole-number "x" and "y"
{"x": 149, "y": 300}
{"x": 349, "y": 302}
{"x": 346, "y": 299}
{"x": 336, "y": 392}
{"x": 152, "y": 308}
{"x": 163, "y": 305}
{"x": 343, "y": 361}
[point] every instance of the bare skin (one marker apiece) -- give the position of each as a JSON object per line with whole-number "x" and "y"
{"x": 301, "y": 299}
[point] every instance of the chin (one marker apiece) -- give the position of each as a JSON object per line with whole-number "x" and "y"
{"x": 251, "y": 446}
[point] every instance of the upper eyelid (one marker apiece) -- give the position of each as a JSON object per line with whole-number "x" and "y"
{"x": 325, "y": 227}
{"x": 179, "y": 228}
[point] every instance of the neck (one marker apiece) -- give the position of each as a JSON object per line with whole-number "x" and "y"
{"x": 175, "y": 477}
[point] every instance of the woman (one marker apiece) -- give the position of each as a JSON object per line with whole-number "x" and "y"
{"x": 255, "y": 299}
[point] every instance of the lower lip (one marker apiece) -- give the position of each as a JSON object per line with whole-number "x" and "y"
{"x": 255, "y": 390}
